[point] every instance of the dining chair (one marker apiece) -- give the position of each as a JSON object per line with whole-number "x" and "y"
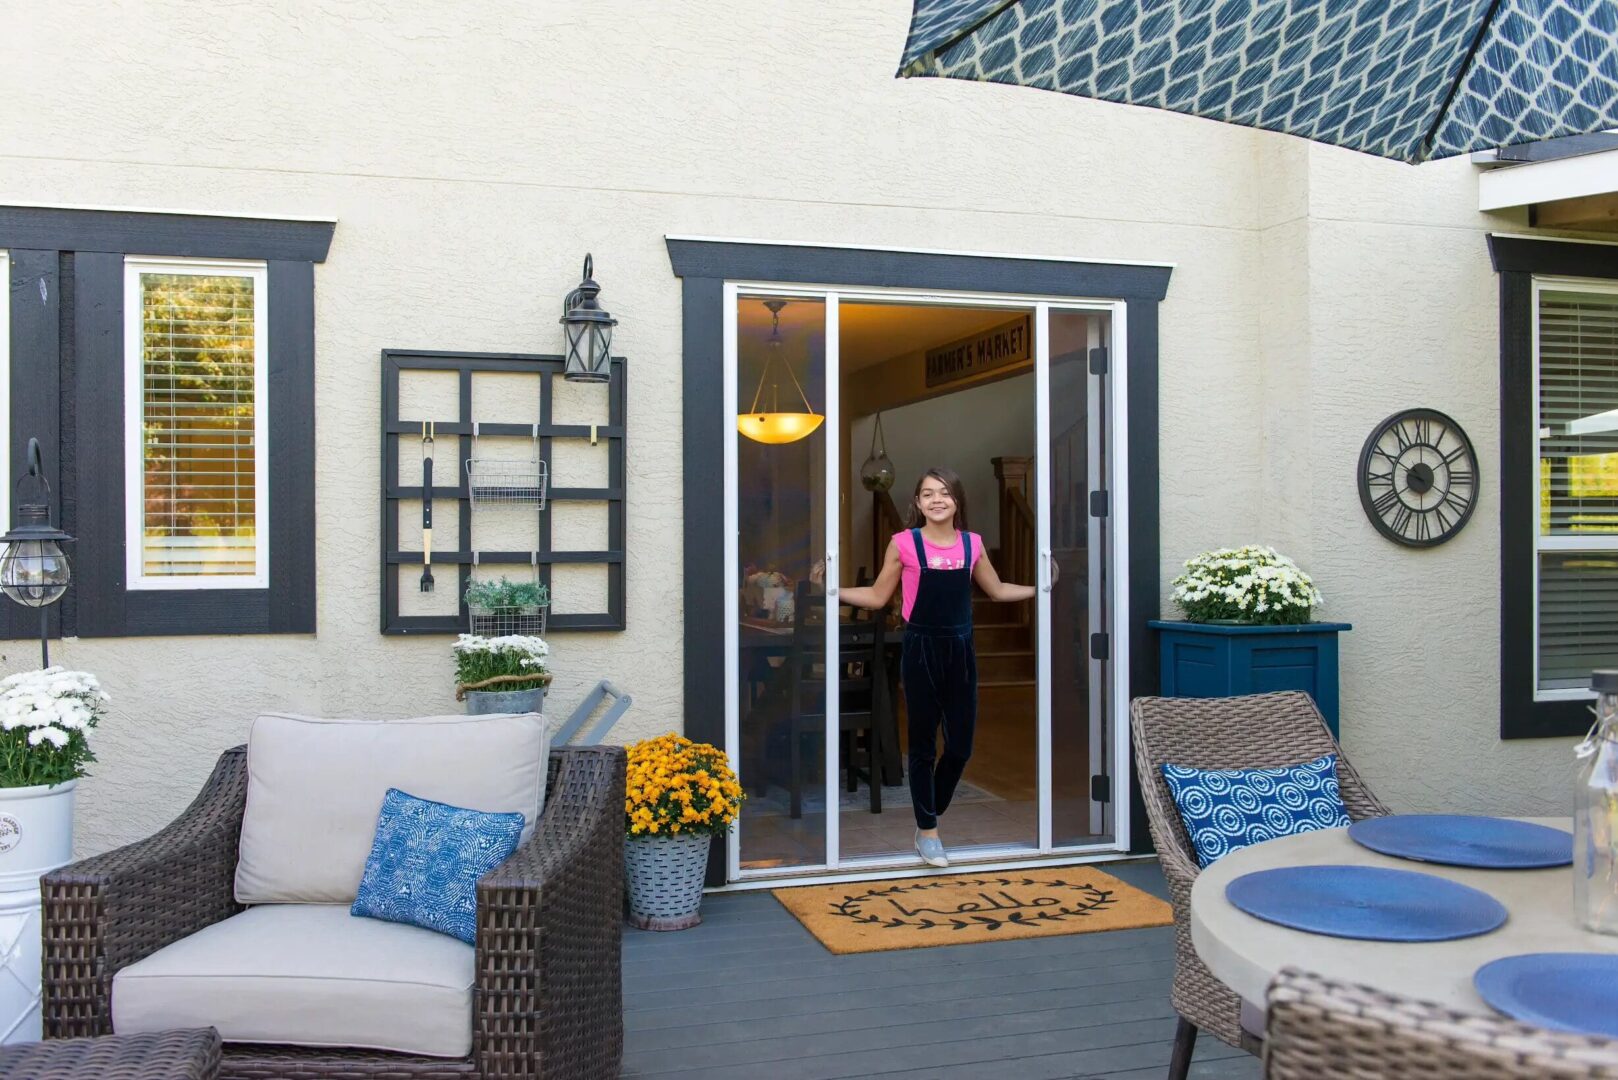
{"x": 1320, "y": 1029}
{"x": 864, "y": 704}
{"x": 1245, "y": 732}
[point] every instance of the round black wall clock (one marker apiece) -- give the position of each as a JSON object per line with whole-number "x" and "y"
{"x": 1418, "y": 477}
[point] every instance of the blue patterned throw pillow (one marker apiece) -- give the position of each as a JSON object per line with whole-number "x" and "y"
{"x": 1228, "y": 809}
{"x": 426, "y": 860}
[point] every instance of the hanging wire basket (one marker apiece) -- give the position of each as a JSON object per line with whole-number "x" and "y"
{"x": 527, "y": 620}
{"x": 502, "y": 609}
{"x": 496, "y": 481}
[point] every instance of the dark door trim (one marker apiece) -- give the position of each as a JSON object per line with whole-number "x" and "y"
{"x": 705, "y": 265}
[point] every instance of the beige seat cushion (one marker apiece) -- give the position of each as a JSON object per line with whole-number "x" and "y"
{"x": 307, "y": 975}
{"x": 315, "y": 788}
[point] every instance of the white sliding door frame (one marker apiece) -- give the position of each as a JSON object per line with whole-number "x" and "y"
{"x": 835, "y": 866}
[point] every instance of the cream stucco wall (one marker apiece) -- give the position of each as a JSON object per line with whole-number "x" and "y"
{"x": 470, "y": 155}
{"x": 1392, "y": 303}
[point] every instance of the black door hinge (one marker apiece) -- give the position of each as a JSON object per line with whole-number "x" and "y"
{"x": 1098, "y": 503}
{"x": 1098, "y": 360}
{"x": 1099, "y": 649}
{"x": 1101, "y": 789}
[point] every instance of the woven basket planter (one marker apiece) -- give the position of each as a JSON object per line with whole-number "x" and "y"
{"x": 664, "y": 876}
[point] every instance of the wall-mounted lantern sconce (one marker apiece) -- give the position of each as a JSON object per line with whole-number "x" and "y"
{"x": 34, "y": 571}
{"x": 588, "y": 330}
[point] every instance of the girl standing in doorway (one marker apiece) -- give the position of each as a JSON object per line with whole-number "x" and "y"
{"x": 936, "y": 561}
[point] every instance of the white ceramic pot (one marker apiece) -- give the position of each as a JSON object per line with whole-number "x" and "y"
{"x": 36, "y": 836}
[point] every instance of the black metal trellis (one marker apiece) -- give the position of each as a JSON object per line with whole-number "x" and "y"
{"x": 396, "y": 428}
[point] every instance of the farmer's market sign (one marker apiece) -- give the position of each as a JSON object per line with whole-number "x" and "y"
{"x": 1010, "y": 343}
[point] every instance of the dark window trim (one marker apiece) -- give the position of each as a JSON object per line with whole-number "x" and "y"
{"x": 705, "y": 265}
{"x": 67, "y": 379}
{"x": 1517, "y": 260}
{"x": 194, "y": 236}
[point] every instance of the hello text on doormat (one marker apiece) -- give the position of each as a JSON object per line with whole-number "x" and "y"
{"x": 915, "y": 913}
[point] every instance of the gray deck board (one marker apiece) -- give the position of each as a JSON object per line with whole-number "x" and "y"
{"x": 751, "y": 994}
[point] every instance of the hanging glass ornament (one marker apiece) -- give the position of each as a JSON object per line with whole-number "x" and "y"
{"x": 877, "y": 472}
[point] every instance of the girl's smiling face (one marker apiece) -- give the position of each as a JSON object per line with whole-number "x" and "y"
{"x": 935, "y": 502}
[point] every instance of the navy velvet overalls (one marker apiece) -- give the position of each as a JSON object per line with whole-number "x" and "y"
{"x": 940, "y": 672}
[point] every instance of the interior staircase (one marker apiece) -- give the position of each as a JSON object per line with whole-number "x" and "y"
{"x": 1005, "y": 646}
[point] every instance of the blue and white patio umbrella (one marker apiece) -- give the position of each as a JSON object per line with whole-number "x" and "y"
{"x": 1403, "y": 79}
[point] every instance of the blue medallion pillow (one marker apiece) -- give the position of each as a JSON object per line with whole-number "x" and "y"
{"x": 1228, "y": 809}
{"x": 426, "y": 860}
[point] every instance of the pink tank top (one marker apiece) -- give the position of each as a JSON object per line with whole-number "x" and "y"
{"x": 938, "y": 558}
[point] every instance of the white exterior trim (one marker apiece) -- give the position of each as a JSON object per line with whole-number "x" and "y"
{"x": 1594, "y": 542}
{"x": 134, "y": 459}
{"x": 732, "y": 627}
{"x": 834, "y": 491}
{"x": 1548, "y": 181}
{"x": 834, "y": 866}
{"x": 1554, "y": 239}
{"x": 876, "y": 870}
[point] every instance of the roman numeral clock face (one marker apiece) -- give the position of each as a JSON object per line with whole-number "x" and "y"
{"x": 1418, "y": 478}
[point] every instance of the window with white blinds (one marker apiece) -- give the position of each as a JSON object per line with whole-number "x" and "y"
{"x": 195, "y": 343}
{"x": 1576, "y": 572}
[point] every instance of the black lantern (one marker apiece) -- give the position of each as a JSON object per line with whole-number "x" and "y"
{"x": 33, "y": 571}
{"x": 588, "y": 330}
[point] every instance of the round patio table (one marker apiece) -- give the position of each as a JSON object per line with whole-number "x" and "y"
{"x": 1245, "y": 952}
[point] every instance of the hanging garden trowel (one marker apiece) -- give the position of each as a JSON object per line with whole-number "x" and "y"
{"x": 426, "y": 506}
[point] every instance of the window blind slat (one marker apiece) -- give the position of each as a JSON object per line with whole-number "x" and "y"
{"x": 1578, "y": 617}
{"x": 198, "y": 384}
{"x": 1578, "y": 412}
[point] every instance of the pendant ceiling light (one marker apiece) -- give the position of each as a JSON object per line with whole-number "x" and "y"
{"x": 776, "y": 427}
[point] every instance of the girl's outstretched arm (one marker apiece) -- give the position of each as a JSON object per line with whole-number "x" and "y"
{"x": 995, "y": 589}
{"x": 876, "y": 595}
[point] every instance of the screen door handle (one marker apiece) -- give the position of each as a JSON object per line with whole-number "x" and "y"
{"x": 831, "y": 573}
{"x": 1045, "y": 586}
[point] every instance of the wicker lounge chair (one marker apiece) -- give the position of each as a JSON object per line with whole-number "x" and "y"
{"x": 1325, "y": 1030}
{"x": 1253, "y": 731}
{"x": 548, "y": 998}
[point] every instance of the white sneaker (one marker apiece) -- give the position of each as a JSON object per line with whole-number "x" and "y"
{"x": 931, "y": 850}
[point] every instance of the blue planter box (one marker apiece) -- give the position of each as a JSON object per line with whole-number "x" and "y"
{"x": 1211, "y": 660}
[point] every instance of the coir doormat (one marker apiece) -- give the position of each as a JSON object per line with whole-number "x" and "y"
{"x": 914, "y": 913}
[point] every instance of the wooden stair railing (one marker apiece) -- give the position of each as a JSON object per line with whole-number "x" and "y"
{"x": 1018, "y": 536}
{"x": 1018, "y": 548}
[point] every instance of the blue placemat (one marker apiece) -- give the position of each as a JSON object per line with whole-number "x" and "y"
{"x": 1562, "y": 991}
{"x": 1366, "y": 902}
{"x": 1465, "y": 840}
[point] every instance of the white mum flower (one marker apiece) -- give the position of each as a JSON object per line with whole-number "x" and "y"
{"x": 55, "y": 736}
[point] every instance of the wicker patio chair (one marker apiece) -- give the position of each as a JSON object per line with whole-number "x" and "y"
{"x": 548, "y": 1001}
{"x": 1325, "y": 1030}
{"x": 1253, "y": 731}
{"x": 184, "y": 1054}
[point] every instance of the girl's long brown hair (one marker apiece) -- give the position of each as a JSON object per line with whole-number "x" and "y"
{"x": 914, "y": 518}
